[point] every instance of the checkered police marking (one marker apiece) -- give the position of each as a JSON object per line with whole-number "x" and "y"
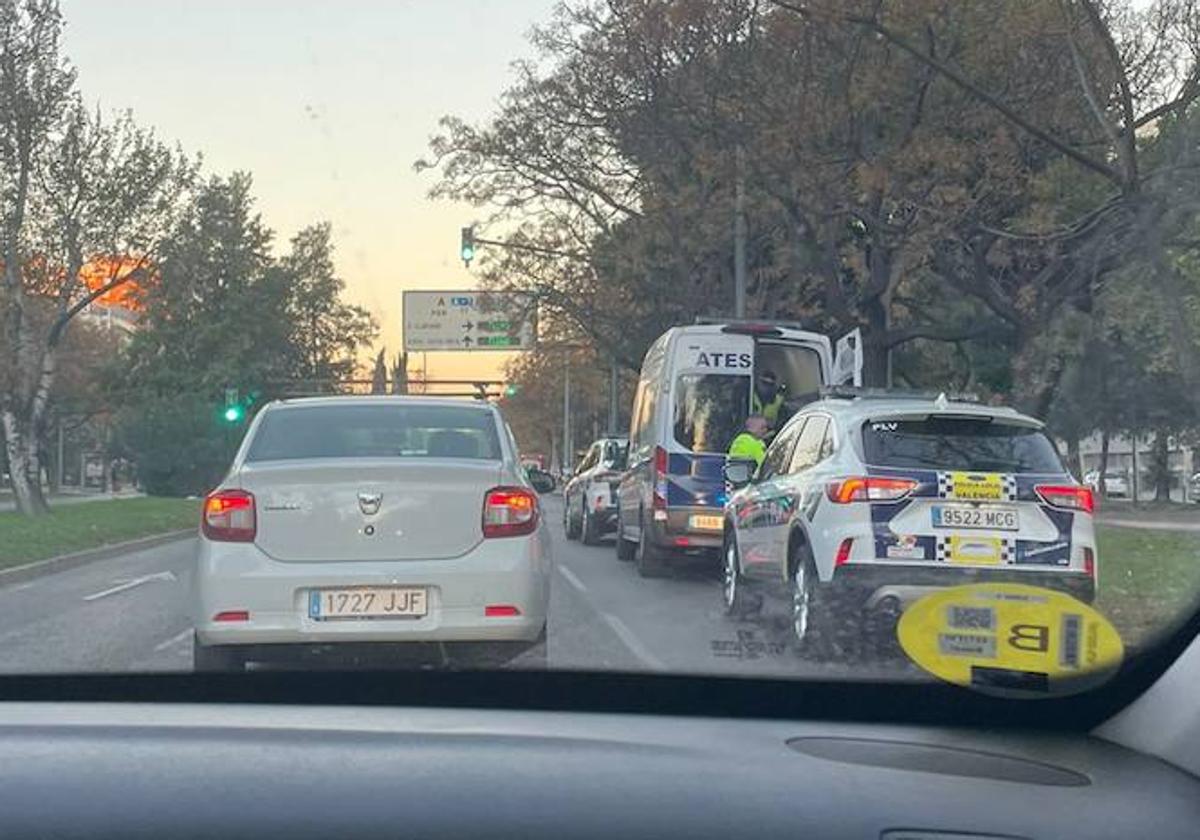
{"x": 1007, "y": 550}
{"x": 974, "y": 487}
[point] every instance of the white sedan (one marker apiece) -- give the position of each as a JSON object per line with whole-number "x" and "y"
{"x": 374, "y": 520}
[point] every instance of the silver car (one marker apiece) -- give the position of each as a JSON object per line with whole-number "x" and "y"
{"x": 371, "y": 520}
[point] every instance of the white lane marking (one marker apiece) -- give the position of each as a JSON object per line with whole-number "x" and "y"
{"x": 634, "y": 643}
{"x": 174, "y": 640}
{"x": 130, "y": 584}
{"x": 572, "y": 578}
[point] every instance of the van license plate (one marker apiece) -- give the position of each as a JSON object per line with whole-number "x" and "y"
{"x": 368, "y": 602}
{"x": 706, "y": 522}
{"x": 967, "y": 516}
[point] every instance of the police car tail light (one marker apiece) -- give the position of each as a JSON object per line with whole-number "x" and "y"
{"x": 1068, "y": 497}
{"x": 660, "y": 478}
{"x": 509, "y": 512}
{"x": 869, "y": 489}
{"x": 229, "y": 517}
{"x": 843, "y": 552}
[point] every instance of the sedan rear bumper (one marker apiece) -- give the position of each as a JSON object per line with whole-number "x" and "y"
{"x": 237, "y": 578}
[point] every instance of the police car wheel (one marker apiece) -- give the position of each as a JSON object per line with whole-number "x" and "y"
{"x": 809, "y": 619}
{"x": 737, "y": 600}
{"x": 570, "y": 523}
{"x": 591, "y": 535}
{"x": 625, "y": 549}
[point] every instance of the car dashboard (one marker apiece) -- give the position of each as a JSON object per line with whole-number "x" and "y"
{"x": 223, "y": 770}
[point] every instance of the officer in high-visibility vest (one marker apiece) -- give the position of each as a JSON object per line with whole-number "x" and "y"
{"x": 767, "y": 398}
{"x": 749, "y": 444}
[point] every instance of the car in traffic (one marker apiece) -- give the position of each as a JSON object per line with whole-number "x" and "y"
{"x": 1116, "y": 484}
{"x": 697, "y": 386}
{"x": 372, "y": 521}
{"x": 590, "y": 497}
{"x": 866, "y": 502}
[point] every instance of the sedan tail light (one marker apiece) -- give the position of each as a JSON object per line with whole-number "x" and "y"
{"x": 509, "y": 512}
{"x": 229, "y": 517}
{"x": 869, "y": 489}
{"x": 1067, "y": 496}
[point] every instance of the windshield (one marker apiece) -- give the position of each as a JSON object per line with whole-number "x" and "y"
{"x": 959, "y": 444}
{"x": 374, "y": 432}
{"x": 500, "y": 335}
{"x": 709, "y": 410}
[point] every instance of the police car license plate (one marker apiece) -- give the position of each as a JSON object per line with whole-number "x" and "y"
{"x": 368, "y": 602}
{"x": 969, "y": 516}
{"x": 706, "y": 522}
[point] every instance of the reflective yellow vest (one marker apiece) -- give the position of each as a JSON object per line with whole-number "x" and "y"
{"x": 770, "y": 410}
{"x": 748, "y": 446}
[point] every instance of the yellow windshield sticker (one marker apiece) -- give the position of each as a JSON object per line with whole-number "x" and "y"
{"x": 1011, "y": 640}
{"x": 976, "y": 486}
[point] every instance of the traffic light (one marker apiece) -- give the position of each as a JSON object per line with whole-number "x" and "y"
{"x": 510, "y": 390}
{"x": 234, "y": 411}
{"x": 467, "y": 248}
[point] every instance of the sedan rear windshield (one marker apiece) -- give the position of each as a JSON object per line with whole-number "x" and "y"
{"x": 945, "y": 443}
{"x": 375, "y": 431}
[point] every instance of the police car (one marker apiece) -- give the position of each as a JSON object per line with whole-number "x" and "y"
{"x": 867, "y": 500}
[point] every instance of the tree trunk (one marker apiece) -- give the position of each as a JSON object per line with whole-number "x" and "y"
{"x": 20, "y": 446}
{"x": 1162, "y": 468}
{"x": 1074, "y": 457}
{"x": 1103, "y": 467}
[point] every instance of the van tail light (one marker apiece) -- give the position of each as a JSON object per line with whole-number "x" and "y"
{"x": 229, "y": 516}
{"x": 869, "y": 489}
{"x": 509, "y": 512}
{"x": 843, "y": 552}
{"x": 659, "y": 501}
{"x": 1067, "y": 497}
{"x": 1089, "y": 563}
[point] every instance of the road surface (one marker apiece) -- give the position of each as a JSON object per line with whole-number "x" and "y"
{"x": 130, "y": 613}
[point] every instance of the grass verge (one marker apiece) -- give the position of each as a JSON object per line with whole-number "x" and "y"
{"x": 72, "y": 528}
{"x": 1149, "y": 580}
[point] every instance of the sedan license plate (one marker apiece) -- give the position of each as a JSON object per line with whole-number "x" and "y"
{"x": 706, "y": 522}
{"x": 368, "y": 602}
{"x": 967, "y": 516}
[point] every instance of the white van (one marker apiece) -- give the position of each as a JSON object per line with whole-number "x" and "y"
{"x": 697, "y": 387}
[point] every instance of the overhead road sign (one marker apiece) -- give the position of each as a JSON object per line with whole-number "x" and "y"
{"x": 468, "y": 320}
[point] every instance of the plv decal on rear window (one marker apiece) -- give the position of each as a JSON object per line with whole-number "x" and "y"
{"x": 1011, "y": 640}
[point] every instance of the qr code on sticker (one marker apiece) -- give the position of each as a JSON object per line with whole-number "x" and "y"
{"x": 971, "y": 618}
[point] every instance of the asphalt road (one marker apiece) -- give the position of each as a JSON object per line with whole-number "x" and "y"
{"x": 130, "y": 613}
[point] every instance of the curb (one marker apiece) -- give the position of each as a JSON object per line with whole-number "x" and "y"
{"x": 65, "y": 562}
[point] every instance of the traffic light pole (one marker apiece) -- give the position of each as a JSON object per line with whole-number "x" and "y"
{"x": 567, "y": 458}
{"x": 612, "y": 398}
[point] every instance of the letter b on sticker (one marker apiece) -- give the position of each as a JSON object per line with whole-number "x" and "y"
{"x": 1030, "y": 637}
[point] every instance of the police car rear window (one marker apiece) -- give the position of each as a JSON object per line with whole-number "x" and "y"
{"x": 959, "y": 444}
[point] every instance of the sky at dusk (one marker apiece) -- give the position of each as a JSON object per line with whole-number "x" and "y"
{"x": 327, "y": 105}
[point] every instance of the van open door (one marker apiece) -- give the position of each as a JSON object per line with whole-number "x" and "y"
{"x": 848, "y": 359}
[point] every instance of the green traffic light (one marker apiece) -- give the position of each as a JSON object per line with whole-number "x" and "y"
{"x": 233, "y": 414}
{"x": 510, "y": 390}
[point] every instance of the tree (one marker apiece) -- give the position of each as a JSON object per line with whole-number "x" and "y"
{"x": 326, "y": 331}
{"x": 73, "y": 187}
{"x": 216, "y": 318}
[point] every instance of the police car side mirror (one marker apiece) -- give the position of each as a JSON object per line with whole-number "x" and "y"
{"x": 739, "y": 473}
